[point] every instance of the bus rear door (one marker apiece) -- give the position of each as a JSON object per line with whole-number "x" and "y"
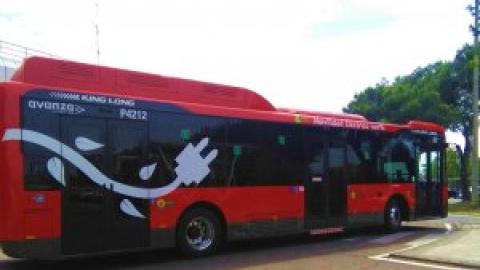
{"x": 325, "y": 189}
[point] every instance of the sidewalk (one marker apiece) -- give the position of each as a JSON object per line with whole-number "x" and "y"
{"x": 461, "y": 248}
{"x": 3, "y": 257}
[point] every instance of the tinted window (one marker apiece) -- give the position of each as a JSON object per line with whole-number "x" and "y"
{"x": 245, "y": 152}
{"x": 35, "y": 156}
{"x": 43, "y": 122}
{"x": 436, "y": 161}
{"x": 315, "y": 150}
{"x": 36, "y": 174}
{"x": 127, "y": 148}
{"x": 171, "y": 133}
{"x": 398, "y": 159}
{"x": 363, "y": 159}
{"x": 336, "y": 169}
{"x": 80, "y": 128}
{"x": 336, "y": 173}
{"x": 282, "y": 155}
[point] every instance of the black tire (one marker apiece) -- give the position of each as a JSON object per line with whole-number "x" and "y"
{"x": 393, "y": 216}
{"x": 199, "y": 232}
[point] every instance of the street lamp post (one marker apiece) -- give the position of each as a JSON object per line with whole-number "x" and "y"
{"x": 475, "y": 30}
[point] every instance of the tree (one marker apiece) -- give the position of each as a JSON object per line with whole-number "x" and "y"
{"x": 415, "y": 96}
{"x": 456, "y": 90}
{"x": 453, "y": 164}
{"x": 369, "y": 103}
{"x": 440, "y": 92}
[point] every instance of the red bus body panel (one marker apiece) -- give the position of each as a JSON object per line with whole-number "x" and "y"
{"x": 11, "y": 181}
{"x": 369, "y": 198}
{"x": 239, "y": 204}
{"x": 29, "y": 215}
{"x": 42, "y": 215}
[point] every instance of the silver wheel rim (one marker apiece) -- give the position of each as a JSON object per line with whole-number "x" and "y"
{"x": 200, "y": 233}
{"x": 395, "y": 218}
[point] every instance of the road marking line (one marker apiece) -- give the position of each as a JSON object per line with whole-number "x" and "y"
{"x": 414, "y": 244}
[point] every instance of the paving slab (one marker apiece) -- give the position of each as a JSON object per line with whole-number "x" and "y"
{"x": 460, "y": 247}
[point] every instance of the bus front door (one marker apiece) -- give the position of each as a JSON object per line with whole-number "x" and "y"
{"x": 95, "y": 217}
{"x": 429, "y": 182}
{"x": 84, "y": 223}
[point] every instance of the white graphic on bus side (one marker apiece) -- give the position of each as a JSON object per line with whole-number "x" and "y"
{"x": 192, "y": 167}
{"x": 60, "y": 107}
{"x": 146, "y": 172}
{"x": 85, "y": 144}
{"x": 128, "y": 208}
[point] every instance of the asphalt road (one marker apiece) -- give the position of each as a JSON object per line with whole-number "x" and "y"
{"x": 352, "y": 250}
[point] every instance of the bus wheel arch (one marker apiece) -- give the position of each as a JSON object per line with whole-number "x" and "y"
{"x": 395, "y": 212}
{"x": 205, "y": 218}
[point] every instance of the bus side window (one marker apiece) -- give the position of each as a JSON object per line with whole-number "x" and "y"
{"x": 362, "y": 158}
{"x": 128, "y": 152}
{"x": 281, "y": 154}
{"x": 244, "y": 147}
{"x": 398, "y": 160}
{"x": 36, "y": 156}
{"x": 170, "y": 133}
{"x": 36, "y": 175}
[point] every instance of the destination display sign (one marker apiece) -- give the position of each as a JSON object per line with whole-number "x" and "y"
{"x": 343, "y": 123}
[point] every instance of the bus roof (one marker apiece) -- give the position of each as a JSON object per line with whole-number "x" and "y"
{"x": 68, "y": 74}
{"x": 94, "y": 78}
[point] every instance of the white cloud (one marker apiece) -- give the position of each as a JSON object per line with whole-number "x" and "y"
{"x": 272, "y": 47}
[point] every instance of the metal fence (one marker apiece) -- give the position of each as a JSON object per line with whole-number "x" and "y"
{"x": 12, "y": 56}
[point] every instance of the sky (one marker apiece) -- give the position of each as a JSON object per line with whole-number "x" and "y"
{"x": 303, "y": 54}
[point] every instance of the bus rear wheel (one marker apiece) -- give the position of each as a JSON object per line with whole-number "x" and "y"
{"x": 199, "y": 232}
{"x": 393, "y": 216}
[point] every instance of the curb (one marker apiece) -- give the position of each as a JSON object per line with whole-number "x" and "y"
{"x": 438, "y": 262}
{"x": 461, "y": 226}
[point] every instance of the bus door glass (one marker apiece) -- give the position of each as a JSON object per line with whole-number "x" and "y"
{"x": 129, "y": 217}
{"x": 422, "y": 183}
{"x": 84, "y": 212}
{"x": 97, "y": 217}
{"x": 325, "y": 198}
{"x": 316, "y": 187}
{"x": 336, "y": 177}
{"x": 437, "y": 183}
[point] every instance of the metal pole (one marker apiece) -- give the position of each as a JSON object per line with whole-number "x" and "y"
{"x": 97, "y": 29}
{"x": 476, "y": 64}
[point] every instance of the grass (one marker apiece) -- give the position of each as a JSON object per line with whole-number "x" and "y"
{"x": 464, "y": 208}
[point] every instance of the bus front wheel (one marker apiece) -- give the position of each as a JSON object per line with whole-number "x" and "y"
{"x": 199, "y": 232}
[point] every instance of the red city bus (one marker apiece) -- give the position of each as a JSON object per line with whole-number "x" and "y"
{"x": 97, "y": 159}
